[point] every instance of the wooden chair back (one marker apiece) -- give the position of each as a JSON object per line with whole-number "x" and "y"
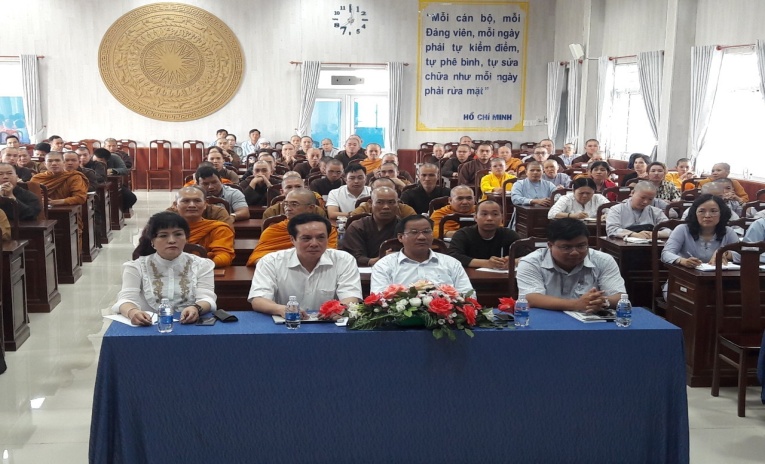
{"x": 620, "y": 173}
{"x": 675, "y": 209}
{"x": 195, "y": 249}
{"x": 690, "y": 195}
{"x": 219, "y": 201}
{"x": 502, "y": 143}
{"x": 276, "y": 199}
{"x": 690, "y": 184}
{"x": 518, "y": 249}
{"x": 192, "y": 153}
{"x": 463, "y": 220}
{"x": 91, "y": 144}
{"x": 160, "y": 163}
{"x": 754, "y": 206}
{"x": 42, "y": 194}
{"x": 437, "y": 203}
{"x": 273, "y": 220}
{"x": 622, "y": 193}
{"x": 600, "y": 223}
{"x": 355, "y": 217}
{"x": 362, "y": 200}
{"x": 658, "y": 270}
{"x": 556, "y": 194}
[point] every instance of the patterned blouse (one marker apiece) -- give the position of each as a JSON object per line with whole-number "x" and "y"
{"x": 667, "y": 192}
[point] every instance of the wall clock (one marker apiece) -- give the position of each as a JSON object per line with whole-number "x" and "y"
{"x": 350, "y": 19}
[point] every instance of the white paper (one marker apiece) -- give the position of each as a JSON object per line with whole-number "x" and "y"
{"x": 313, "y": 317}
{"x": 365, "y": 270}
{"x": 586, "y": 318}
{"x": 123, "y": 320}
{"x": 497, "y": 271}
{"x": 711, "y": 267}
{"x": 637, "y": 240}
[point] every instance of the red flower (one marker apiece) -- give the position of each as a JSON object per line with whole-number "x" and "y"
{"x": 372, "y": 299}
{"x": 392, "y": 290}
{"x": 507, "y": 305}
{"x": 473, "y": 302}
{"x": 441, "y": 307}
{"x": 331, "y": 308}
{"x": 448, "y": 290}
{"x": 469, "y": 311}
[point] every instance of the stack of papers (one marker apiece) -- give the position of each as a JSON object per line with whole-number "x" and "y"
{"x": 487, "y": 269}
{"x": 587, "y": 318}
{"x": 711, "y": 267}
{"x": 637, "y": 240}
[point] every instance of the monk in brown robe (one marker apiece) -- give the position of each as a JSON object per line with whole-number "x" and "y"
{"x": 276, "y": 237}
{"x": 217, "y": 237}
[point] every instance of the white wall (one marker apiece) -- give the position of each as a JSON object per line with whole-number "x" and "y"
{"x": 272, "y": 33}
{"x": 732, "y": 22}
{"x": 634, "y": 26}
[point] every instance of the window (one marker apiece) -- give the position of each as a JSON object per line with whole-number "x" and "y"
{"x": 11, "y": 103}
{"x": 351, "y": 101}
{"x": 738, "y": 115}
{"x": 630, "y": 129}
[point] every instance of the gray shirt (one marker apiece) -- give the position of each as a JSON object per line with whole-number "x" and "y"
{"x": 623, "y": 215}
{"x": 538, "y": 273}
{"x": 234, "y": 197}
{"x": 681, "y": 244}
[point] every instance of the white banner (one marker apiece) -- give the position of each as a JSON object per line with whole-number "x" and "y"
{"x": 471, "y": 66}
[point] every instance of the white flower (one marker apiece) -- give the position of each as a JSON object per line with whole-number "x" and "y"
{"x": 401, "y": 305}
{"x": 426, "y": 300}
{"x": 441, "y": 322}
{"x": 383, "y": 304}
{"x": 453, "y": 315}
{"x": 415, "y": 302}
{"x": 377, "y": 310}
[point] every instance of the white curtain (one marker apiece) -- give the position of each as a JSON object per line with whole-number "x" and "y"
{"x": 605, "y": 101}
{"x": 396, "y": 75}
{"x": 705, "y": 73}
{"x": 650, "y": 67}
{"x": 759, "y": 49}
{"x": 30, "y": 85}
{"x": 574, "y": 95}
{"x": 309, "y": 81}
{"x": 556, "y": 76}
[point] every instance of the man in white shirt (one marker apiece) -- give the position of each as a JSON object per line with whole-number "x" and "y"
{"x": 251, "y": 146}
{"x": 341, "y": 201}
{"x": 416, "y": 261}
{"x": 309, "y": 271}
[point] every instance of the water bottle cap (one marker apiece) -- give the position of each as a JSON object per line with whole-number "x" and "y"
{"x": 625, "y": 296}
{"x": 165, "y": 301}
{"x": 521, "y": 296}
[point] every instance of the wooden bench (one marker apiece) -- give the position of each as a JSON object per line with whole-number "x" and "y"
{"x": 68, "y": 260}
{"x": 40, "y": 256}
{"x": 15, "y": 328}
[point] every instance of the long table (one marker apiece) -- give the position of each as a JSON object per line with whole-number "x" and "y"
{"x": 252, "y": 391}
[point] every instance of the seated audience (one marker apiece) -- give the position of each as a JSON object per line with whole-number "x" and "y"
{"x": 341, "y": 201}
{"x": 416, "y": 261}
{"x": 352, "y": 151}
{"x": 373, "y": 160}
{"x": 452, "y": 165}
{"x": 582, "y": 203}
{"x": 403, "y": 175}
{"x": 640, "y": 165}
{"x": 532, "y": 190}
{"x": 29, "y": 204}
{"x": 722, "y": 171}
{"x": 428, "y": 189}
{"x": 309, "y": 271}
{"x": 208, "y": 178}
{"x": 306, "y": 143}
{"x": 568, "y": 275}
{"x": 683, "y": 173}
{"x": 64, "y": 188}
{"x": 665, "y": 190}
{"x": 728, "y": 193}
{"x": 72, "y": 163}
{"x": 217, "y": 237}
{"x": 232, "y": 146}
{"x": 116, "y": 167}
{"x": 333, "y": 179}
{"x": 11, "y": 156}
{"x": 390, "y": 171}
{"x": 364, "y": 236}
{"x": 311, "y": 166}
{"x": 163, "y": 270}
{"x": 219, "y": 134}
{"x": 25, "y": 161}
{"x": 541, "y": 154}
{"x": 599, "y": 172}
{"x": 568, "y": 154}
{"x": 485, "y": 244}
{"x": 276, "y": 237}
{"x": 229, "y": 156}
{"x": 215, "y": 157}
{"x": 635, "y": 217}
{"x": 551, "y": 174}
{"x": 513, "y": 165}
{"x": 467, "y": 173}
{"x": 111, "y": 145}
{"x": 402, "y": 210}
{"x": 698, "y": 240}
{"x": 492, "y": 182}
{"x": 461, "y": 201}
{"x": 591, "y": 147}
{"x": 288, "y": 154}
{"x": 255, "y": 187}
{"x": 436, "y": 155}
{"x": 251, "y": 146}
{"x": 292, "y": 181}
{"x": 88, "y": 161}
{"x": 327, "y": 149}
{"x": 756, "y": 233}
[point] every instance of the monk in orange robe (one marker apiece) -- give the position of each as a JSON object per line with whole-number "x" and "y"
{"x": 276, "y": 237}
{"x": 373, "y": 160}
{"x": 461, "y": 201}
{"x": 217, "y": 237}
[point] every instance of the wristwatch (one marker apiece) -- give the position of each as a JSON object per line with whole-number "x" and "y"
{"x": 198, "y": 306}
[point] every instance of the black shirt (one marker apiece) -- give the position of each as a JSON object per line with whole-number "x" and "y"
{"x": 23, "y": 173}
{"x": 29, "y": 205}
{"x": 323, "y": 186}
{"x": 345, "y": 159}
{"x": 467, "y": 244}
{"x": 420, "y": 200}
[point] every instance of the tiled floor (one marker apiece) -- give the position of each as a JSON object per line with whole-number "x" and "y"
{"x": 46, "y": 394}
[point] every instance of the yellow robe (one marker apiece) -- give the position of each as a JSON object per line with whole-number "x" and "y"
{"x": 217, "y": 238}
{"x": 489, "y": 182}
{"x": 70, "y": 186}
{"x": 370, "y": 164}
{"x": 277, "y": 238}
{"x": 450, "y": 226}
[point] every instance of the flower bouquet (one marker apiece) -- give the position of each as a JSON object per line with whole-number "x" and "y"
{"x": 440, "y": 308}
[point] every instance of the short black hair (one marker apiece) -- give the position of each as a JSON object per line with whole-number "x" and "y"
{"x": 54, "y": 137}
{"x": 203, "y": 172}
{"x": 221, "y": 130}
{"x": 159, "y": 221}
{"x": 254, "y": 130}
{"x": 693, "y": 221}
{"x": 232, "y": 135}
{"x": 11, "y": 137}
{"x": 102, "y": 153}
{"x": 584, "y": 182}
{"x": 566, "y": 229}
{"x": 354, "y": 167}
{"x": 601, "y": 164}
{"x": 43, "y": 147}
{"x": 305, "y": 218}
{"x": 401, "y": 226}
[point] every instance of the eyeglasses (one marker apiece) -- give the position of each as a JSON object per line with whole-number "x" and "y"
{"x": 292, "y": 204}
{"x": 415, "y": 233}
{"x": 702, "y": 212}
{"x": 569, "y": 248}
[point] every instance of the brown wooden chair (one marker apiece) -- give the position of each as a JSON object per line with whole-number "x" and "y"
{"x": 502, "y": 143}
{"x": 91, "y": 144}
{"x": 219, "y": 201}
{"x": 160, "y": 163}
{"x": 409, "y": 187}
{"x": 676, "y": 209}
{"x": 658, "y": 303}
{"x": 740, "y": 321}
{"x": 451, "y": 147}
{"x": 477, "y": 182}
{"x": 195, "y": 249}
{"x": 131, "y": 148}
{"x": 690, "y": 195}
{"x": 528, "y": 145}
{"x": 313, "y": 177}
{"x": 355, "y": 217}
{"x": 13, "y": 206}
{"x": 41, "y": 192}
{"x": 273, "y": 192}
{"x": 272, "y": 220}
{"x": 620, "y": 173}
{"x": 756, "y": 206}
{"x": 276, "y": 199}
{"x": 600, "y": 223}
{"x": 192, "y": 153}
{"x": 760, "y": 195}
{"x": 392, "y": 244}
{"x": 437, "y": 203}
{"x": 362, "y": 200}
{"x": 518, "y": 249}
{"x": 743, "y": 223}
{"x": 622, "y": 193}
{"x": 556, "y": 194}
{"x": 691, "y": 183}
{"x": 463, "y": 220}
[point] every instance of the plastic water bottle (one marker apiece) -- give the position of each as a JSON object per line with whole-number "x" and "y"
{"x": 292, "y": 313}
{"x": 521, "y": 314}
{"x": 165, "y": 314}
{"x": 624, "y": 311}
{"x": 340, "y": 228}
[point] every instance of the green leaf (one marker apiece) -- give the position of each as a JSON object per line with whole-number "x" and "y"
{"x": 451, "y": 335}
{"x": 469, "y": 332}
{"x": 438, "y": 333}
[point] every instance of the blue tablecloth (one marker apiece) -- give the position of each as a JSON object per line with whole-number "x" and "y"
{"x": 252, "y": 391}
